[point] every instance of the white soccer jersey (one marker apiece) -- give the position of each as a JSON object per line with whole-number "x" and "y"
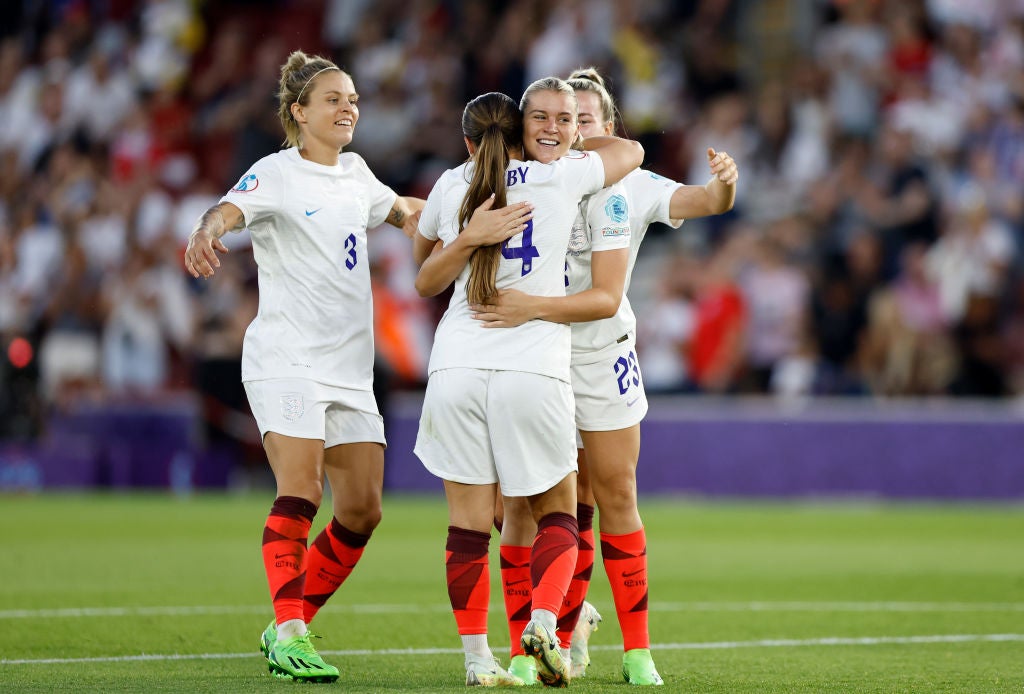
{"x": 647, "y": 196}
{"x": 308, "y": 225}
{"x": 533, "y": 262}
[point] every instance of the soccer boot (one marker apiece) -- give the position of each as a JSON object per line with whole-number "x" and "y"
{"x": 268, "y": 638}
{"x": 579, "y": 655}
{"x": 525, "y": 668}
{"x": 638, "y": 667}
{"x": 296, "y": 659}
{"x": 543, "y": 646}
{"x": 483, "y": 671}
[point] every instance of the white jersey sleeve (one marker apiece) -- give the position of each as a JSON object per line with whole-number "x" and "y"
{"x": 608, "y": 218}
{"x": 651, "y": 195}
{"x": 430, "y": 218}
{"x": 587, "y": 173}
{"x": 259, "y": 193}
{"x": 380, "y": 198}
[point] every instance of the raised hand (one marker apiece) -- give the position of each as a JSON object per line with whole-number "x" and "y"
{"x": 723, "y": 167}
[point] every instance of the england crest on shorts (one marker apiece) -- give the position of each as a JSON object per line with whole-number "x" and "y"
{"x": 292, "y": 406}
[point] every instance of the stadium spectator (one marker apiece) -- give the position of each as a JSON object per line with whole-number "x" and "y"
{"x": 846, "y": 72}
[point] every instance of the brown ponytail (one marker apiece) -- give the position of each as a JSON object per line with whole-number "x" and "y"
{"x": 494, "y": 124}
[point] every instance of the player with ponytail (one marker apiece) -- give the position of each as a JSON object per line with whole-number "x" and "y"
{"x": 498, "y": 407}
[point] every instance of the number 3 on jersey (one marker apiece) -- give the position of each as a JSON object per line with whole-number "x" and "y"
{"x": 350, "y": 246}
{"x": 527, "y": 252}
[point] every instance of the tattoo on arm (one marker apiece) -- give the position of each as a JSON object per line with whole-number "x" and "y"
{"x": 396, "y": 217}
{"x": 212, "y": 222}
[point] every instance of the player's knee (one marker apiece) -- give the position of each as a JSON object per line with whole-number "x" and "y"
{"x": 362, "y": 515}
{"x": 616, "y": 493}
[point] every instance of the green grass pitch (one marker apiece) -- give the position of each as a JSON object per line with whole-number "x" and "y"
{"x": 150, "y": 593}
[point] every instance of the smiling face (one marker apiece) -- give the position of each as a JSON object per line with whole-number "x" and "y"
{"x": 549, "y": 125}
{"x": 328, "y": 119}
{"x": 590, "y": 118}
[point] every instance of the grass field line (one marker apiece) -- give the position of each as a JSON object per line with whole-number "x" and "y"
{"x": 409, "y": 608}
{"x": 712, "y": 645}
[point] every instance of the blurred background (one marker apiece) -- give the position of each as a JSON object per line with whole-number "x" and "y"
{"x": 854, "y": 326}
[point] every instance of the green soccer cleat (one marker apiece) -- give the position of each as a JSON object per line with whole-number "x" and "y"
{"x": 543, "y": 646}
{"x": 579, "y": 654}
{"x": 268, "y": 638}
{"x": 525, "y": 668}
{"x": 488, "y": 672}
{"x": 638, "y": 668}
{"x": 296, "y": 659}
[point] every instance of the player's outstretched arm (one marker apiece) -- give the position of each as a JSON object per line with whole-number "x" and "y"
{"x": 204, "y": 242}
{"x": 440, "y": 265}
{"x": 608, "y": 277}
{"x": 620, "y": 156}
{"x": 404, "y": 208}
{"x": 714, "y": 197}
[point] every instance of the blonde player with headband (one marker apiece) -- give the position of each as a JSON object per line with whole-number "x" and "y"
{"x": 308, "y": 355}
{"x": 610, "y": 401}
{"x": 498, "y": 406}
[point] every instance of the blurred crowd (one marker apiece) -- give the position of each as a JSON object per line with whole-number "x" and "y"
{"x": 875, "y": 248}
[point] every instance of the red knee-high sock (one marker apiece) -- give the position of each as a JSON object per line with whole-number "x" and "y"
{"x": 553, "y": 559}
{"x": 469, "y": 581}
{"x": 518, "y": 590}
{"x": 581, "y": 577}
{"x": 332, "y": 556}
{"x": 284, "y": 554}
{"x": 625, "y": 562}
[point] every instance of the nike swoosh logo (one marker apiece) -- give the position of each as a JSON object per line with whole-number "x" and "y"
{"x": 522, "y": 580}
{"x": 632, "y": 573}
{"x": 310, "y": 213}
{"x": 287, "y": 554}
{"x": 632, "y": 402}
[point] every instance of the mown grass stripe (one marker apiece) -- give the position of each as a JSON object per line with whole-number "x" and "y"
{"x": 713, "y": 645}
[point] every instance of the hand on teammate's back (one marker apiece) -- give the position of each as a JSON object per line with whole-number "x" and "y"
{"x": 488, "y": 226}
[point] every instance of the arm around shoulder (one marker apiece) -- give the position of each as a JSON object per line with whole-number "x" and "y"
{"x": 620, "y": 156}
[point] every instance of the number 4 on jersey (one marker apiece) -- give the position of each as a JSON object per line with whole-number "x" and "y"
{"x": 527, "y": 252}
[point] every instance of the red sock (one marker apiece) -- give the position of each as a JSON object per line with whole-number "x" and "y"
{"x": 333, "y": 555}
{"x": 581, "y": 578}
{"x": 518, "y": 590}
{"x": 553, "y": 559}
{"x": 625, "y": 562}
{"x": 469, "y": 580}
{"x": 284, "y": 554}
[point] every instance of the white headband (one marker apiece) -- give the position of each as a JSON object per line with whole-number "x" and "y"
{"x": 302, "y": 91}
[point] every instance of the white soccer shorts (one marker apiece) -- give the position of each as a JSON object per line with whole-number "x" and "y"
{"x": 481, "y": 426}
{"x": 608, "y": 388}
{"x": 310, "y": 410}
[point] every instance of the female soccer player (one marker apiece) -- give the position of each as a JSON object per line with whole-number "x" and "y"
{"x": 610, "y": 403}
{"x": 498, "y": 406}
{"x": 308, "y": 355}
